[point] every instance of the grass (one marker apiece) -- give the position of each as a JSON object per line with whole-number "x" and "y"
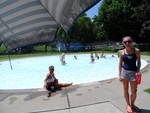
{"x": 15, "y": 56}
{"x": 146, "y": 53}
{"x": 147, "y": 90}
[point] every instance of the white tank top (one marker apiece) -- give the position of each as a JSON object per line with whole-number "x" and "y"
{"x": 51, "y": 80}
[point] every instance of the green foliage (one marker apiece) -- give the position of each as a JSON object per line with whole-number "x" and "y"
{"x": 2, "y": 48}
{"x": 147, "y": 90}
{"x": 62, "y": 37}
{"x": 82, "y": 31}
{"x": 116, "y": 18}
{"x": 144, "y": 17}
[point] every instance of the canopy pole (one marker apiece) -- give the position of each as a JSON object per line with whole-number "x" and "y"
{"x": 10, "y": 62}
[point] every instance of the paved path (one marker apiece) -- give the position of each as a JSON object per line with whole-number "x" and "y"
{"x": 98, "y": 97}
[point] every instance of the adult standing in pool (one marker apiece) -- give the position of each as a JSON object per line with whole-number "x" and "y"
{"x": 129, "y": 65}
{"x": 62, "y": 59}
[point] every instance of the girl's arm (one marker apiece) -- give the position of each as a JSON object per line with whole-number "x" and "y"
{"x": 120, "y": 65}
{"x": 138, "y": 59}
{"x": 45, "y": 83}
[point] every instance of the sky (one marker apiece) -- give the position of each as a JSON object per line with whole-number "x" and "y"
{"x": 93, "y": 11}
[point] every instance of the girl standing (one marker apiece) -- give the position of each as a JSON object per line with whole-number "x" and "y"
{"x": 129, "y": 65}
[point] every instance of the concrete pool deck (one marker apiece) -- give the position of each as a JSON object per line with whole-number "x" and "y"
{"x": 98, "y": 97}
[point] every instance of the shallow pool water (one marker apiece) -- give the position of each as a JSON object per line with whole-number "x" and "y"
{"x": 30, "y": 72}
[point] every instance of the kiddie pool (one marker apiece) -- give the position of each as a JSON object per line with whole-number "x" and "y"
{"x": 30, "y": 73}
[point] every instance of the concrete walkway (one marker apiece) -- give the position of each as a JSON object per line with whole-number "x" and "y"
{"x": 98, "y": 97}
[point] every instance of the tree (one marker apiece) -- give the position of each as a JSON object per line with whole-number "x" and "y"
{"x": 82, "y": 31}
{"x": 63, "y": 38}
{"x": 144, "y": 16}
{"x": 116, "y": 18}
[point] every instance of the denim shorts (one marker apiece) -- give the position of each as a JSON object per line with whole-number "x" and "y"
{"x": 128, "y": 75}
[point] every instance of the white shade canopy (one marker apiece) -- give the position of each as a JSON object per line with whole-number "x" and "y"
{"x": 28, "y": 22}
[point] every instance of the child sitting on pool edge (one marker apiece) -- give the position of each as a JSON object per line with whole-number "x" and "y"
{"x": 51, "y": 83}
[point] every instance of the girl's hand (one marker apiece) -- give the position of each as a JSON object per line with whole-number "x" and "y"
{"x": 56, "y": 81}
{"x": 45, "y": 85}
{"x": 120, "y": 79}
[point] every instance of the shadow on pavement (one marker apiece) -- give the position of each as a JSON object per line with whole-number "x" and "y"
{"x": 145, "y": 111}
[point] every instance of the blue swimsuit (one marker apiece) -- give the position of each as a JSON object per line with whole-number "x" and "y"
{"x": 129, "y": 61}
